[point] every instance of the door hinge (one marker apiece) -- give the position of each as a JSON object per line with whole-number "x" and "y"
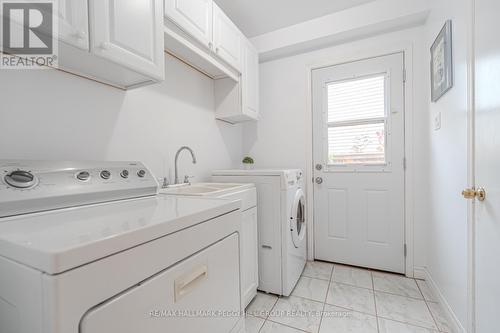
{"x": 404, "y": 163}
{"x": 404, "y": 75}
{"x": 405, "y": 250}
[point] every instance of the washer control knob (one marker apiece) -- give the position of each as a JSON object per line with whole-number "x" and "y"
{"x": 124, "y": 174}
{"x": 141, "y": 173}
{"x": 83, "y": 176}
{"x": 21, "y": 179}
{"x": 105, "y": 174}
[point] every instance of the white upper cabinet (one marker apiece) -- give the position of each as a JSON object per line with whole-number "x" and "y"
{"x": 193, "y": 16}
{"x": 129, "y": 33}
{"x": 236, "y": 103}
{"x": 74, "y": 23}
{"x": 227, "y": 39}
{"x": 225, "y": 55}
{"x": 250, "y": 81}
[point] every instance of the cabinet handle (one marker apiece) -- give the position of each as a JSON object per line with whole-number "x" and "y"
{"x": 185, "y": 284}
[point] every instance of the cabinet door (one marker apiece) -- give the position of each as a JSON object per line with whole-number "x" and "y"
{"x": 250, "y": 255}
{"x": 193, "y": 16}
{"x": 177, "y": 299}
{"x": 74, "y": 23}
{"x": 130, "y": 33}
{"x": 227, "y": 39}
{"x": 250, "y": 81}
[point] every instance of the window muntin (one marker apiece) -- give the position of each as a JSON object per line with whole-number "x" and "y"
{"x": 357, "y": 121}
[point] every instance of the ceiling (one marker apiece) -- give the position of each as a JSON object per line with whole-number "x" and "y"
{"x": 256, "y": 17}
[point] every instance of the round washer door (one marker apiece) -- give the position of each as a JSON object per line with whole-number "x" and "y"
{"x": 298, "y": 218}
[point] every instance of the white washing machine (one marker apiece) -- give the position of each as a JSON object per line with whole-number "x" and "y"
{"x": 281, "y": 225}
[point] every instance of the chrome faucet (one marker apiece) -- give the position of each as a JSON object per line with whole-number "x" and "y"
{"x": 177, "y": 157}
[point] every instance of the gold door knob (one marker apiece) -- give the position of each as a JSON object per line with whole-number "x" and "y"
{"x": 472, "y": 193}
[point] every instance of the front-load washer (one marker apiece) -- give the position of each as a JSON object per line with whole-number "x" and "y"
{"x": 281, "y": 225}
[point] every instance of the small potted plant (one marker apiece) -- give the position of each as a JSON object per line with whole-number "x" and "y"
{"x": 248, "y": 163}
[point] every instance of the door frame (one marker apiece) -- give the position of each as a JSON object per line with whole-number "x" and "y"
{"x": 471, "y": 167}
{"x": 407, "y": 51}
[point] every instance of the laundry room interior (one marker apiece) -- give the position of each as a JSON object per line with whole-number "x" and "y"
{"x": 224, "y": 166}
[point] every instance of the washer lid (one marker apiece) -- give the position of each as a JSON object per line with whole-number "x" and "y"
{"x": 56, "y": 241}
{"x": 289, "y": 177}
{"x": 298, "y": 219}
{"x": 255, "y": 172}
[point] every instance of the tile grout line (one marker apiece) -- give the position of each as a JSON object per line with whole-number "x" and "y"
{"x": 425, "y": 299}
{"x": 387, "y": 318}
{"x": 267, "y": 317}
{"x": 420, "y": 290}
{"x": 286, "y": 325}
{"x": 375, "y": 301}
{"x": 393, "y": 294}
{"x": 326, "y": 296}
{"x": 351, "y": 310}
{"x": 313, "y": 277}
{"x": 261, "y": 325}
{"x": 429, "y": 309}
{"x": 353, "y": 285}
{"x": 410, "y": 324}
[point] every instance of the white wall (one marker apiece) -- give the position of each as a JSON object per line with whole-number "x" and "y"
{"x": 280, "y": 137}
{"x": 358, "y": 22}
{"x": 47, "y": 114}
{"x": 447, "y": 262}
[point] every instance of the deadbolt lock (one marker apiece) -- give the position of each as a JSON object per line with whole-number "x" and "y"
{"x": 319, "y": 167}
{"x": 472, "y": 193}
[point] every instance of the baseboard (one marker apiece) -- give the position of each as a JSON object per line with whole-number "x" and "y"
{"x": 452, "y": 318}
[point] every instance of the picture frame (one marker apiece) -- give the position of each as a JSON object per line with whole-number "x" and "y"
{"x": 442, "y": 63}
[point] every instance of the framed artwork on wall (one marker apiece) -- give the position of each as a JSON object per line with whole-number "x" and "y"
{"x": 442, "y": 63}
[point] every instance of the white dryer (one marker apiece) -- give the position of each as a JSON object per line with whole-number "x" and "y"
{"x": 281, "y": 223}
{"x": 88, "y": 247}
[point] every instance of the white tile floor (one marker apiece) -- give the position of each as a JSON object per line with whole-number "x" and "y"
{"x": 339, "y": 299}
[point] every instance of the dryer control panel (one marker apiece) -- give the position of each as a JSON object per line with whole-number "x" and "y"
{"x": 34, "y": 186}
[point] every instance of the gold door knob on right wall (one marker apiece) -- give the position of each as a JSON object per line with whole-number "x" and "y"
{"x": 472, "y": 193}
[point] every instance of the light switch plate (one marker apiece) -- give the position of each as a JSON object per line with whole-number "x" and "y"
{"x": 437, "y": 122}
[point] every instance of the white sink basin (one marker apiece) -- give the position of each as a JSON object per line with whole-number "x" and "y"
{"x": 204, "y": 189}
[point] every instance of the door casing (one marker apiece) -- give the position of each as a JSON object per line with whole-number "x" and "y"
{"x": 407, "y": 50}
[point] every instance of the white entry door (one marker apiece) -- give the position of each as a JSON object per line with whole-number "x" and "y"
{"x": 487, "y": 166}
{"x": 358, "y": 150}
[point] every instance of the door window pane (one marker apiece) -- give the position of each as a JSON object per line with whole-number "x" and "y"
{"x": 356, "y": 99}
{"x": 357, "y": 144}
{"x": 357, "y": 121}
